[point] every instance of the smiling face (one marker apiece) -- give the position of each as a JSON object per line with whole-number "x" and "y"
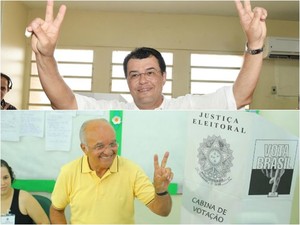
{"x": 146, "y": 90}
{"x": 5, "y": 181}
{"x": 101, "y": 146}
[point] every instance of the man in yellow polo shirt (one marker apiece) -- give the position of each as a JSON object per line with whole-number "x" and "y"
{"x": 100, "y": 186}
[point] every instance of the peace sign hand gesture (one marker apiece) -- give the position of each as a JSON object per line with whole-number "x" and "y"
{"x": 253, "y": 23}
{"x": 162, "y": 175}
{"x": 45, "y": 32}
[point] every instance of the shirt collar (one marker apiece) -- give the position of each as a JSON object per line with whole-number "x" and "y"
{"x": 162, "y": 105}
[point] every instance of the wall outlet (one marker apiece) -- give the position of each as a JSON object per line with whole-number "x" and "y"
{"x": 273, "y": 90}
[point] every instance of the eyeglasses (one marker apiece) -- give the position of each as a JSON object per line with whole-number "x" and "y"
{"x": 102, "y": 147}
{"x": 149, "y": 74}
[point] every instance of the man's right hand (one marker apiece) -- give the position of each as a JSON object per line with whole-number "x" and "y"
{"x": 44, "y": 39}
{"x": 45, "y": 32}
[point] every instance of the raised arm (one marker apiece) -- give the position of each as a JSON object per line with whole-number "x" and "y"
{"x": 162, "y": 203}
{"x": 44, "y": 38}
{"x": 254, "y": 26}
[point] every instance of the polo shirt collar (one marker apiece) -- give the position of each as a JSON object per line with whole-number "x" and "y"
{"x": 162, "y": 105}
{"x": 86, "y": 168}
{"x": 114, "y": 167}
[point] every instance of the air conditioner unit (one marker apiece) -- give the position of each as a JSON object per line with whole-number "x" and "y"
{"x": 281, "y": 47}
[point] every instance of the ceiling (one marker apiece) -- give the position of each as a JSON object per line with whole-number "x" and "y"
{"x": 278, "y": 10}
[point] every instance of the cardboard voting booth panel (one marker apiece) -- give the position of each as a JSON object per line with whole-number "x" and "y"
{"x": 239, "y": 168}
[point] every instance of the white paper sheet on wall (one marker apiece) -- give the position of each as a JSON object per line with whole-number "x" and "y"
{"x": 10, "y": 126}
{"x": 239, "y": 169}
{"x": 32, "y": 124}
{"x": 59, "y": 130}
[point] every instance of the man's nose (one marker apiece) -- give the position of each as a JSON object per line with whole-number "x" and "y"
{"x": 143, "y": 78}
{"x": 108, "y": 151}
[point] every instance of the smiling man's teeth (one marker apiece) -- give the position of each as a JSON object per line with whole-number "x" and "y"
{"x": 144, "y": 90}
{"x": 106, "y": 157}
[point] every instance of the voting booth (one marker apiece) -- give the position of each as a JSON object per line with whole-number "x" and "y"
{"x": 240, "y": 169}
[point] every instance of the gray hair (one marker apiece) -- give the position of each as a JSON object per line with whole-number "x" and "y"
{"x": 82, "y": 134}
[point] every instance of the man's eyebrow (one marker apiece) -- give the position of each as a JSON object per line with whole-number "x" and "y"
{"x": 136, "y": 71}
{"x": 101, "y": 143}
{"x": 98, "y": 144}
{"x": 151, "y": 68}
{"x": 133, "y": 71}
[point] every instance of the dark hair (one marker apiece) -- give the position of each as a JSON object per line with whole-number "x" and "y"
{"x": 10, "y": 171}
{"x": 10, "y": 84}
{"x": 142, "y": 53}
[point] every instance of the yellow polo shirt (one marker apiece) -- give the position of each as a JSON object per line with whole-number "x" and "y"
{"x": 109, "y": 200}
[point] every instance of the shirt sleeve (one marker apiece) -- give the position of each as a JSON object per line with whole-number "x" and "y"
{"x": 60, "y": 195}
{"x": 144, "y": 189}
{"x": 222, "y": 99}
{"x": 84, "y": 102}
{"x": 231, "y": 103}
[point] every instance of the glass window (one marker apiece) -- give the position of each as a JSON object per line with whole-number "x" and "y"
{"x": 211, "y": 72}
{"x": 74, "y": 65}
{"x": 71, "y": 55}
{"x": 211, "y": 60}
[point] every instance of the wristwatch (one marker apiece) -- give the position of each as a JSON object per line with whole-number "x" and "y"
{"x": 253, "y": 51}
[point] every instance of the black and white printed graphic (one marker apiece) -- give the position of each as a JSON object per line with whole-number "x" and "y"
{"x": 236, "y": 164}
{"x": 273, "y": 167}
{"x": 215, "y": 160}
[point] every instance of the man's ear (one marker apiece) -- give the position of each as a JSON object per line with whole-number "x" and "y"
{"x": 164, "y": 77}
{"x": 83, "y": 148}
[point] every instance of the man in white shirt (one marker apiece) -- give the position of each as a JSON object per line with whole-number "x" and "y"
{"x": 145, "y": 73}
